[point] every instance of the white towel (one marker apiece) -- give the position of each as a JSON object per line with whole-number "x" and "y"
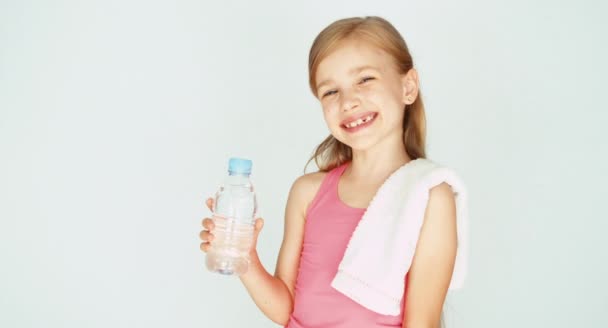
{"x": 381, "y": 249}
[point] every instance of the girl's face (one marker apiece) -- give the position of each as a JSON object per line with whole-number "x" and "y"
{"x": 363, "y": 95}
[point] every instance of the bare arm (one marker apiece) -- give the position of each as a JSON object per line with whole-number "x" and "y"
{"x": 433, "y": 263}
{"x": 274, "y": 295}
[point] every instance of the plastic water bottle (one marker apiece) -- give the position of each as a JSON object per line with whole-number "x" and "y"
{"x": 233, "y": 214}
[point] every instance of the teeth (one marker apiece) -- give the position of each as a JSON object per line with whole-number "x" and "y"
{"x": 360, "y": 121}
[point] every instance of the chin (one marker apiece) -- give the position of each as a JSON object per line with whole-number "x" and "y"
{"x": 359, "y": 145}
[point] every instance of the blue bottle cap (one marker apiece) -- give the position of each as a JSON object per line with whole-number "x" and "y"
{"x": 239, "y": 166}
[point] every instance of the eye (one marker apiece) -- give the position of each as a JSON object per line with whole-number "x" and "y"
{"x": 365, "y": 79}
{"x": 329, "y": 93}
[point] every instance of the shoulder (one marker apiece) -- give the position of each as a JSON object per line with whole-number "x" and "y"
{"x": 442, "y": 193}
{"x": 304, "y": 189}
{"x": 438, "y": 180}
{"x": 441, "y": 203}
{"x": 309, "y": 180}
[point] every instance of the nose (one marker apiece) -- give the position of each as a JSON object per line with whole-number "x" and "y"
{"x": 350, "y": 100}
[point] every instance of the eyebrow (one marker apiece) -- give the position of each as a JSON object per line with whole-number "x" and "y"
{"x": 351, "y": 72}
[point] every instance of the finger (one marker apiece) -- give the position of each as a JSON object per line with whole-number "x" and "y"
{"x": 209, "y": 203}
{"x": 205, "y": 247}
{"x": 206, "y": 236}
{"x": 259, "y": 224}
{"x": 208, "y": 224}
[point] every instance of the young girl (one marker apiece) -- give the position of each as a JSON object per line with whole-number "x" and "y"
{"x": 362, "y": 73}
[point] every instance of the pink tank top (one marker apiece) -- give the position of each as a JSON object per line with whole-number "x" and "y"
{"x": 328, "y": 228}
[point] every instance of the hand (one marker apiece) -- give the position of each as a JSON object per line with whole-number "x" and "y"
{"x": 207, "y": 236}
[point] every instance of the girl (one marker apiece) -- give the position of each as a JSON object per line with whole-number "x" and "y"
{"x": 362, "y": 73}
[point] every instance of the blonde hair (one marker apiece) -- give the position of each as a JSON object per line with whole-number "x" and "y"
{"x": 380, "y": 33}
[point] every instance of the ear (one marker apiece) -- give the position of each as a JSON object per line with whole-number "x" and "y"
{"x": 410, "y": 84}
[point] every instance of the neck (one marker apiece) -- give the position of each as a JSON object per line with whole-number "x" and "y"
{"x": 377, "y": 164}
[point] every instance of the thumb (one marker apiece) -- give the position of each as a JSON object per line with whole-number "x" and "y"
{"x": 257, "y": 227}
{"x": 209, "y": 203}
{"x": 259, "y": 224}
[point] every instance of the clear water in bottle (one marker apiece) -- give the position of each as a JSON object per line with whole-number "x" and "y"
{"x": 233, "y": 215}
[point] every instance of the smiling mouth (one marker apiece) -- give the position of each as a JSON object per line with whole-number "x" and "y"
{"x": 363, "y": 121}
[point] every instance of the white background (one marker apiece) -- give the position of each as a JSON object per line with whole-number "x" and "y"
{"x": 117, "y": 119}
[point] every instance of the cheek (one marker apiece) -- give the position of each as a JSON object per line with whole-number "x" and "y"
{"x": 330, "y": 119}
{"x": 391, "y": 101}
{"x": 330, "y": 109}
{"x": 329, "y": 104}
{"x": 381, "y": 95}
{"x": 326, "y": 113}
